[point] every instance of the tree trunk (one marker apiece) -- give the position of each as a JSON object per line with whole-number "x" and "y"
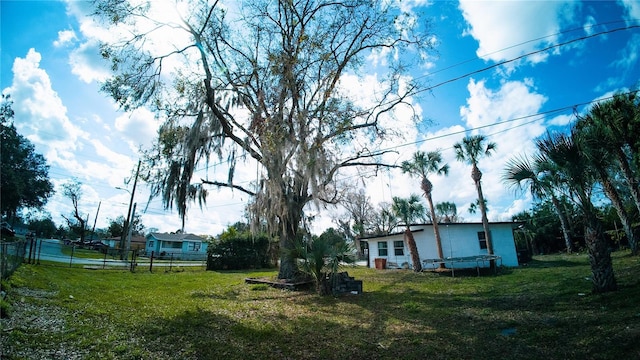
{"x": 628, "y": 176}
{"x": 564, "y": 224}
{"x": 613, "y": 195}
{"x": 436, "y": 231}
{"x": 413, "y": 249}
{"x": 603, "y": 277}
{"x": 477, "y": 176}
{"x": 288, "y": 234}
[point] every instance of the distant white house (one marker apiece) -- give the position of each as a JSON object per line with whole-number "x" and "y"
{"x": 460, "y": 241}
{"x": 176, "y": 246}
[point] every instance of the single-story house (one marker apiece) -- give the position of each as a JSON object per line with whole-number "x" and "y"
{"x": 177, "y": 246}
{"x": 460, "y": 242}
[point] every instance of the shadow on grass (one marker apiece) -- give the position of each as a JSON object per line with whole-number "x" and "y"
{"x": 384, "y": 327}
{"x": 411, "y": 316}
{"x": 210, "y": 335}
{"x": 471, "y": 272}
{"x": 555, "y": 263}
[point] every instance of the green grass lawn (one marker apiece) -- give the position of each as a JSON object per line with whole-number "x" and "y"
{"x": 541, "y": 311}
{"x": 78, "y": 252}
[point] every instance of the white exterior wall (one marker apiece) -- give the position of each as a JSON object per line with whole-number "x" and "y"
{"x": 458, "y": 240}
{"x": 391, "y": 257}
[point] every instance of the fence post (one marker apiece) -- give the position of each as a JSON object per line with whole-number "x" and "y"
{"x": 30, "y": 248}
{"x": 39, "y": 249}
{"x": 134, "y": 255}
{"x": 171, "y": 262}
{"x": 4, "y": 259}
{"x": 151, "y": 262}
{"x": 104, "y": 262}
{"x": 73, "y": 247}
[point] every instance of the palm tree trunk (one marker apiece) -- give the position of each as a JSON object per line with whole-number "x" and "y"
{"x": 603, "y": 277}
{"x": 413, "y": 249}
{"x": 613, "y": 195}
{"x": 628, "y": 175}
{"x": 564, "y": 223}
{"x": 436, "y": 231}
{"x": 477, "y": 176}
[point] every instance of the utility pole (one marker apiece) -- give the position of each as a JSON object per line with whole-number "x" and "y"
{"x": 129, "y": 232}
{"x": 126, "y": 226}
{"x": 93, "y": 230}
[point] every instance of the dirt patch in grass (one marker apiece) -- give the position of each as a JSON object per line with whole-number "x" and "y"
{"x": 32, "y": 316}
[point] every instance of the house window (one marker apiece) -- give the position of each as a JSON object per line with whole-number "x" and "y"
{"x": 150, "y": 244}
{"x": 194, "y": 246}
{"x": 382, "y": 248}
{"x": 172, "y": 245}
{"x": 398, "y": 248}
{"x": 482, "y": 240}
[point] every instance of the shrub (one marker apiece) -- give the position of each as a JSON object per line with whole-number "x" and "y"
{"x": 240, "y": 251}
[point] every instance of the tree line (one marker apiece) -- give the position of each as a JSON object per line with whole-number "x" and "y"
{"x": 597, "y": 159}
{"x": 26, "y": 188}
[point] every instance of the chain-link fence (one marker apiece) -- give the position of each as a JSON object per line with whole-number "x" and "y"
{"x": 92, "y": 256}
{"x": 11, "y": 256}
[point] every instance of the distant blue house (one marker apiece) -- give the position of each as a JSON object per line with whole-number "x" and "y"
{"x": 176, "y": 246}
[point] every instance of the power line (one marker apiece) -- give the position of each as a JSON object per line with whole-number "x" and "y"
{"x": 500, "y": 63}
{"x": 482, "y": 70}
{"x": 481, "y": 57}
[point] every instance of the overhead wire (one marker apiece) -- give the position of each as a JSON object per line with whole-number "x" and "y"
{"x": 537, "y": 116}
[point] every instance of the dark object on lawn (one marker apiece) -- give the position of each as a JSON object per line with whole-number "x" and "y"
{"x": 342, "y": 283}
{"x": 7, "y": 230}
{"x": 282, "y": 283}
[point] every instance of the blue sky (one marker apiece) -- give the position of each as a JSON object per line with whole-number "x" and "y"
{"x": 51, "y": 68}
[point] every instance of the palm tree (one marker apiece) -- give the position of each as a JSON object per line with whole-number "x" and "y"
{"x": 618, "y": 120}
{"x": 608, "y": 139}
{"x": 568, "y": 156}
{"x": 447, "y": 211}
{"x": 384, "y": 220}
{"x": 470, "y": 150}
{"x": 539, "y": 176}
{"x": 598, "y": 154}
{"x": 408, "y": 210}
{"x": 422, "y": 165}
{"x": 322, "y": 257}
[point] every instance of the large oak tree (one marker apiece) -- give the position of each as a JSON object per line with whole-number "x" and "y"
{"x": 263, "y": 80}
{"x": 25, "y": 173}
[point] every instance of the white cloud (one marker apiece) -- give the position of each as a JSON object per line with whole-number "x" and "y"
{"x": 65, "y": 37}
{"x": 561, "y": 120}
{"x": 589, "y": 24}
{"x": 87, "y": 63}
{"x": 138, "y": 127}
{"x": 507, "y": 29}
{"x": 628, "y": 56}
{"x": 40, "y": 113}
{"x": 513, "y": 100}
{"x": 407, "y": 6}
{"x": 90, "y": 66}
{"x": 632, "y": 8}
